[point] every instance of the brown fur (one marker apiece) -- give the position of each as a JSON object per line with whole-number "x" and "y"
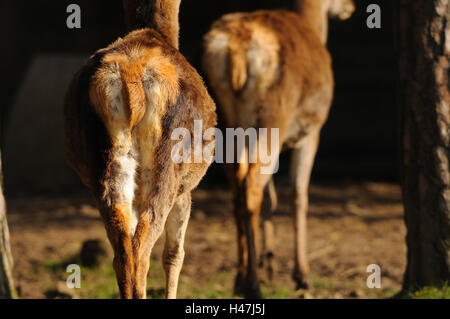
{"x": 120, "y": 111}
{"x": 161, "y": 15}
{"x": 271, "y": 69}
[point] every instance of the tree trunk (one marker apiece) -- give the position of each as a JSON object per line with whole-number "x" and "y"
{"x": 7, "y": 289}
{"x": 423, "y": 47}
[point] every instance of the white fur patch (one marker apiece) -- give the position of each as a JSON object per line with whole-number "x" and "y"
{"x": 134, "y": 221}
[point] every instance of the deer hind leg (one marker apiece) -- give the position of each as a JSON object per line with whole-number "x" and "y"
{"x": 269, "y": 206}
{"x": 173, "y": 255}
{"x": 154, "y": 209}
{"x": 249, "y": 200}
{"x": 117, "y": 228}
{"x": 248, "y": 225}
{"x": 254, "y": 201}
{"x": 153, "y": 214}
{"x": 239, "y": 215}
{"x": 232, "y": 172}
{"x": 142, "y": 247}
{"x": 301, "y": 165}
{"x": 148, "y": 230}
{"x": 116, "y": 208}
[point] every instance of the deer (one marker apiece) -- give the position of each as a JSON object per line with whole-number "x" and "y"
{"x": 119, "y": 113}
{"x": 271, "y": 69}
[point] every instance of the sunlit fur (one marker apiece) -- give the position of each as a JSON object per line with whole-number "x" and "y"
{"x": 271, "y": 69}
{"x": 120, "y": 112}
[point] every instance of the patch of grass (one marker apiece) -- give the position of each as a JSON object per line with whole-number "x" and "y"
{"x": 51, "y": 265}
{"x": 427, "y": 293}
{"x": 220, "y": 286}
{"x": 216, "y": 287}
{"x": 277, "y": 293}
{"x": 100, "y": 283}
{"x": 320, "y": 284}
{"x": 156, "y": 293}
{"x": 96, "y": 283}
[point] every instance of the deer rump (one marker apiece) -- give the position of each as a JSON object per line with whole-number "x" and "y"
{"x": 249, "y": 64}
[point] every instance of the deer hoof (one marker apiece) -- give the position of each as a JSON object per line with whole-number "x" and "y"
{"x": 302, "y": 282}
{"x": 246, "y": 288}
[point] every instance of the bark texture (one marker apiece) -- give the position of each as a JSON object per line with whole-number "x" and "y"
{"x": 7, "y": 289}
{"x": 423, "y": 47}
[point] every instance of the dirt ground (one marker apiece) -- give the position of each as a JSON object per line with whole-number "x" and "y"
{"x": 351, "y": 226}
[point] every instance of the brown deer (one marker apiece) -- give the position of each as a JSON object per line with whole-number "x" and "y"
{"x": 120, "y": 112}
{"x": 271, "y": 69}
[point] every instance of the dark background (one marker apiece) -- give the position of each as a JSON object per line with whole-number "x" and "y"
{"x": 40, "y": 54}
